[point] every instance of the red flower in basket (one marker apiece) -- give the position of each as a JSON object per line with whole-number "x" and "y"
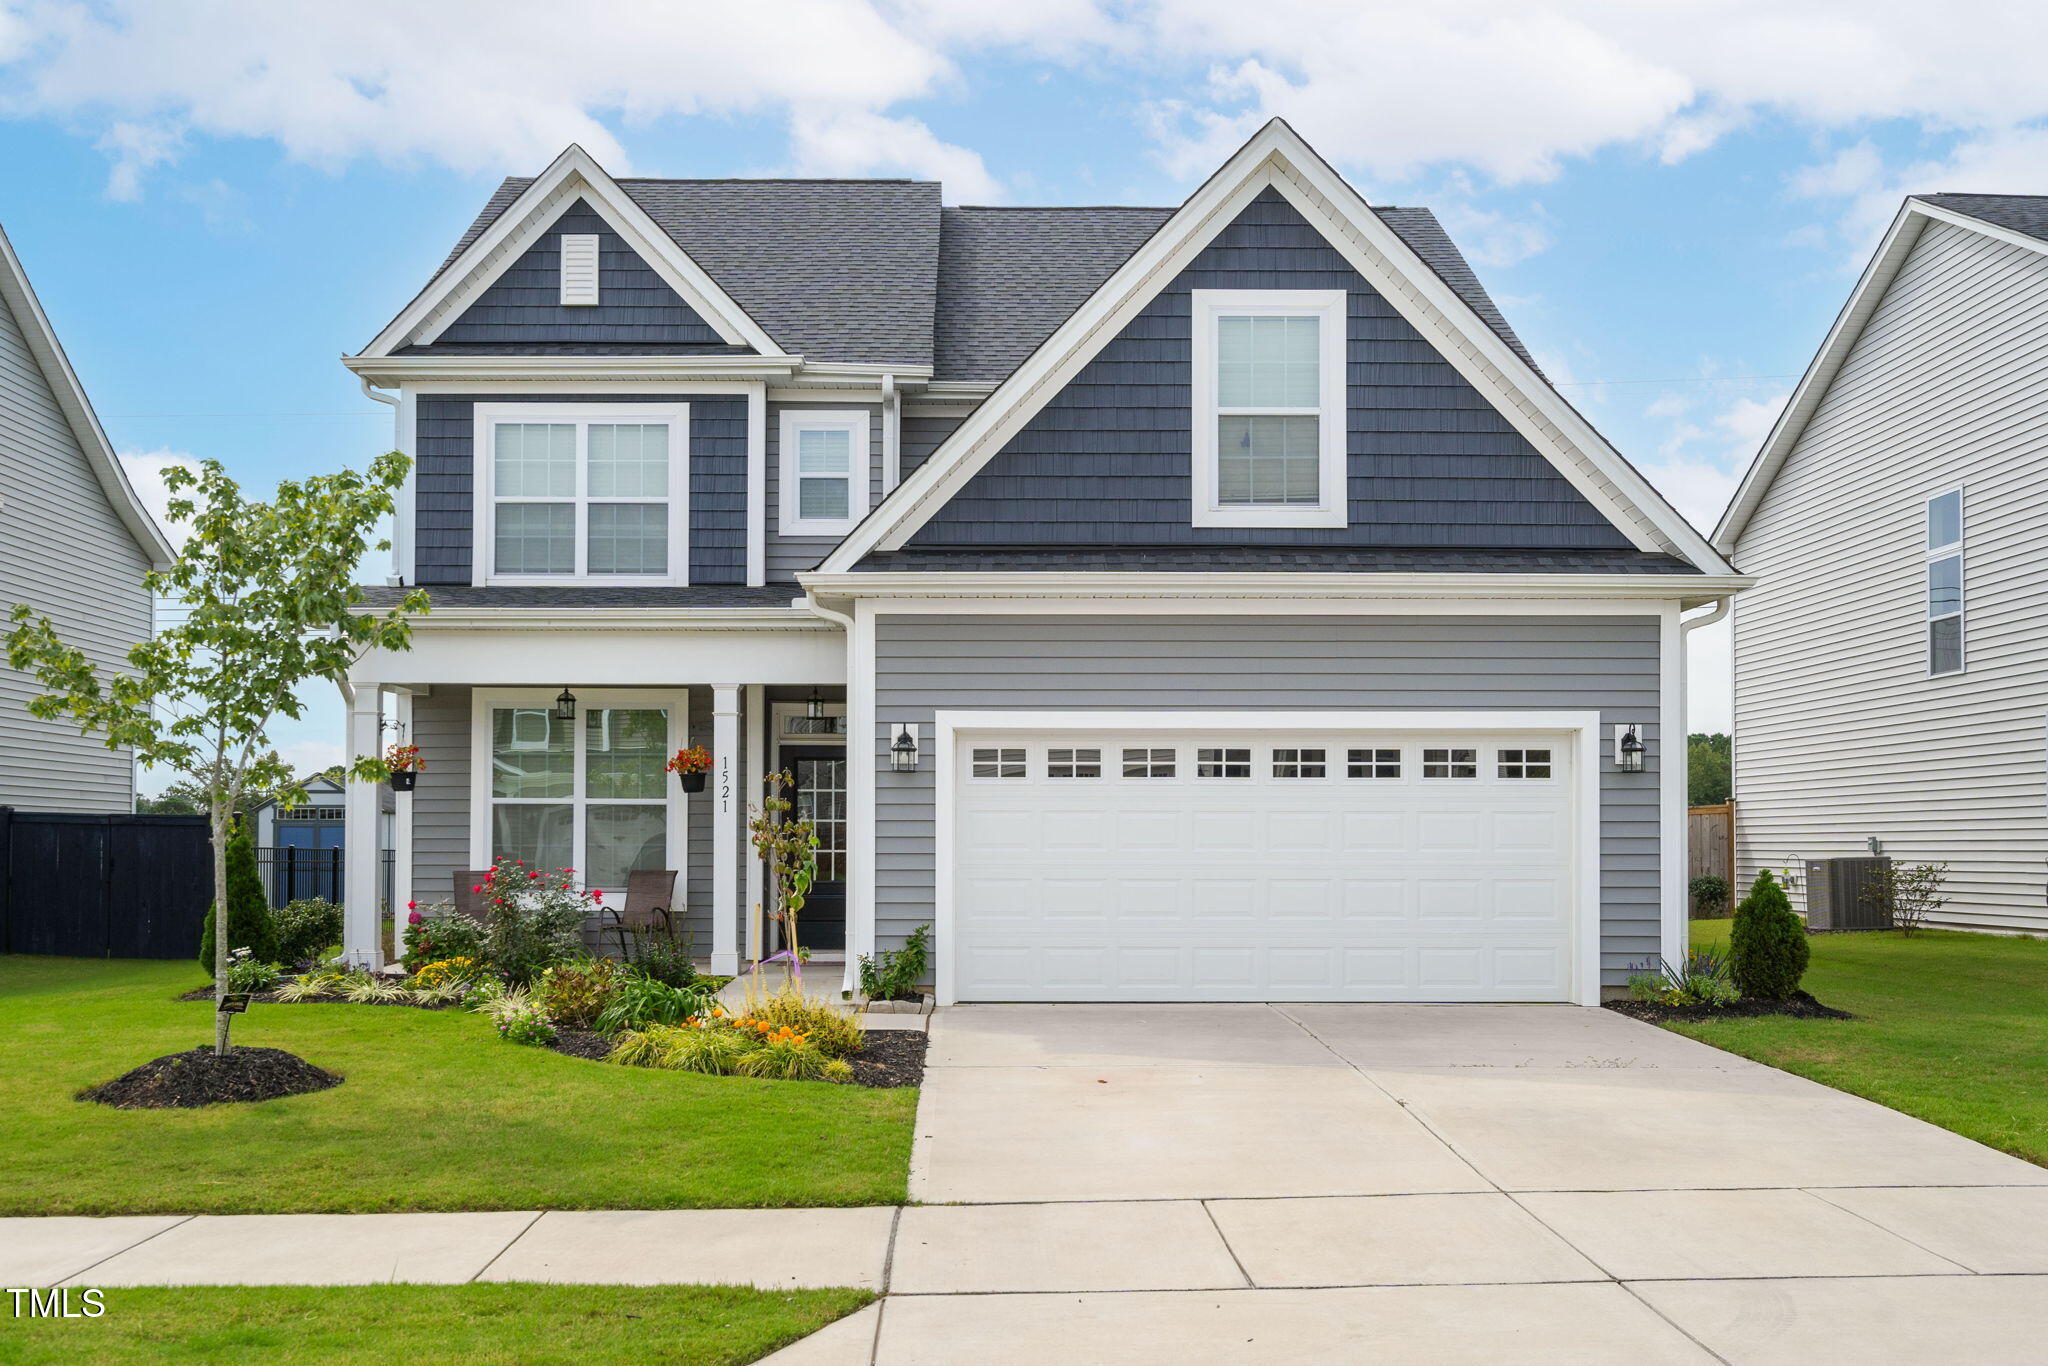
{"x": 691, "y": 765}
{"x": 404, "y": 763}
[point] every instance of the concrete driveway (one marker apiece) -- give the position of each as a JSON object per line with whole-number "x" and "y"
{"x": 1429, "y": 1184}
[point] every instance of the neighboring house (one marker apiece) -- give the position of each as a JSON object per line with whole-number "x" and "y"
{"x": 1891, "y": 673}
{"x": 300, "y": 850}
{"x": 74, "y": 544}
{"x": 1209, "y": 603}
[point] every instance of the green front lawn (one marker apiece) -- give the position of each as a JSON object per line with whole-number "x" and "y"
{"x": 436, "y": 1113}
{"x": 431, "y": 1325}
{"x": 1951, "y": 1027}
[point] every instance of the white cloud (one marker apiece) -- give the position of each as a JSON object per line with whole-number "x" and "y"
{"x": 1999, "y": 161}
{"x": 853, "y": 144}
{"x": 478, "y": 85}
{"x": 146, "y": 472}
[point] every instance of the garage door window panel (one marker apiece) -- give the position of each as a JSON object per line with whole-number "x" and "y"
{"x": 1223, "y": 763}
{"x": 1523, "y": 763}
{"x": 1372, "y": 763}
{"x": 1149, "y": 763}
{"x": 1073, "y": 763}
{"x": 1300, "y": 763}
{"x": 1450, "y": 763}
{"x": 997, "y": 763}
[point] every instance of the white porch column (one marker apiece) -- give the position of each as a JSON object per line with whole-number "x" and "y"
{"x": 401, "y": 833}
{"x": 725, "y": 829}
{"x": 757, "y": 774}
{"x": 362, "y": 934}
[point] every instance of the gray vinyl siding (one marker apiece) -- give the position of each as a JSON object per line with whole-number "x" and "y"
{"x": 788, "y": 556}
{"x": 1431, "y": 462}
{"x": 67, "y": 554}
{"x": 921, "y": 435}
{"x": 445, "y": 483}
{"x": 634, "y": 303}
{"x": 1840, "y": 735}
{"x": 1235, "y": 663}
{"x": 440, "y": 802}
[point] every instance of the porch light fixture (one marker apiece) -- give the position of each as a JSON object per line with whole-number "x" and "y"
{"x": 1628, "y": 748}
{"x": 903, "y": 751}
{"x": 565, "y": 706}
{"x": 815, "y": 708}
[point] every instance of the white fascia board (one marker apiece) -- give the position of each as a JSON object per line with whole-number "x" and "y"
{"x": 442, "y": 619}
{"x": 1277, "y": 157}
{"x": 1862, "y": 303}
{"x": 18, "y": 296}
{"x": 1691, "y": 588}
{"x": 395, "y": 370}
{"x": 572, "y": 175}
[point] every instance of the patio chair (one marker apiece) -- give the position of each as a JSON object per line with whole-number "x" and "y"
{"x": 650, "y": 895}
{"x": 468, "y": 901}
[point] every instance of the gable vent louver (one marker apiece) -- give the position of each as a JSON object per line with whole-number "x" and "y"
{"x": 579, "y": 269}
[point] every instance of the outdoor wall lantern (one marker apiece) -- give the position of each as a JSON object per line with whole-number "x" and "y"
{"x": 1628, "y": 748}
{"x": 815, "y": 708}
{"x": 903, "y": 751}
{"x": 565, "y": 706}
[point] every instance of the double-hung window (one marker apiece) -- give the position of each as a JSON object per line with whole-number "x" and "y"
{"x": 582, "y": 493}
{"x": 591, "y": 793}
{"x": 1945, "y": 583}
{"x": 822, "y": 471}
{"x": 1269, "y": 429}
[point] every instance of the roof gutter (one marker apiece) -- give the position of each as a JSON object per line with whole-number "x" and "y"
{"x": 1694, "y": 589}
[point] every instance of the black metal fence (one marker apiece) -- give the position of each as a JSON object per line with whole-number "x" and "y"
{"x": 291, "y": 874}
{"x": 103, "y": 886}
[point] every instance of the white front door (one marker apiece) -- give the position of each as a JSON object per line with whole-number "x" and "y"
{"x": 1240, "y": 864}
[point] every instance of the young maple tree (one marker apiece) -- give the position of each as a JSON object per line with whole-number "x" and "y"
{"x": 789, "y": 845}
{"x": 267, "y": 600}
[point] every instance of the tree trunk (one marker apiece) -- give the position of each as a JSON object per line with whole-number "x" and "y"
{"x": 221, "y": 1019}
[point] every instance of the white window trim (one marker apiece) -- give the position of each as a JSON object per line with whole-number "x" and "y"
{"x": 859, "y": 475}
{"x": 1952, "y": 550}
{"x": 485, "y": 420}
{"x": 484, "y": 700}
{"x": 1332, "y": 508}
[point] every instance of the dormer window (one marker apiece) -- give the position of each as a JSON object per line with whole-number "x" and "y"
{"x": 579, "y": 269}
{"x": 823, "y": 471}
{"x": 596, "y": 493}
{"x": 1269, "y": 411}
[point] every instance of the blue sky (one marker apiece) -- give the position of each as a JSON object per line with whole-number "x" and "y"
{"x": 217, "y": 198}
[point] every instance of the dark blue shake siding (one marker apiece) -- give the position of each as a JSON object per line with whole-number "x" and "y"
{"x": 635, "y": 304}
{"x": 1106, "y": 462}
{"x": 444, "y": 537}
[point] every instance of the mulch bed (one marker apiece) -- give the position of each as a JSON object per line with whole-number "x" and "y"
{"x": 891, "y": 1057}
{"x": 196, "y": 1077}
{"x": 1800, "y": 1006}
{"x": 581, "y": 1043}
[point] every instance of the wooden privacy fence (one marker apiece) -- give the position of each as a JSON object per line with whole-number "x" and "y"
{"x": 1710, "y": 843}
{"x": 103, "y": 886}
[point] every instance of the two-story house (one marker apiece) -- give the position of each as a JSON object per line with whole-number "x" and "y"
{"x": 75, "y": 541}
{"x": 1891, "y": 670}
{"x": 1210, "y": 603}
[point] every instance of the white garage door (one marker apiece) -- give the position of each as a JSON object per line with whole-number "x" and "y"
{"x": 1248, "y": 866}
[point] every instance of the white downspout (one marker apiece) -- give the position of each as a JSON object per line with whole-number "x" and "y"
{"x": 399, "y": 538}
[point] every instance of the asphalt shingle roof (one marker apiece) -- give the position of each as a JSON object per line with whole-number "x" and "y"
{"x": 838, "y": 270}
{"x": 2027, "y": 213}
{"x": 1303, "y": 559}
{"x": 875, "y": 271}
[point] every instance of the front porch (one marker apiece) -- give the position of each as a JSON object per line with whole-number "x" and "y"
{"x": 569, "y": 771}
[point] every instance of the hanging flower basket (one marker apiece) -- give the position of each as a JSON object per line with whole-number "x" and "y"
{"x": 691, "y": 766}
{"x": 405, "y": 764}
